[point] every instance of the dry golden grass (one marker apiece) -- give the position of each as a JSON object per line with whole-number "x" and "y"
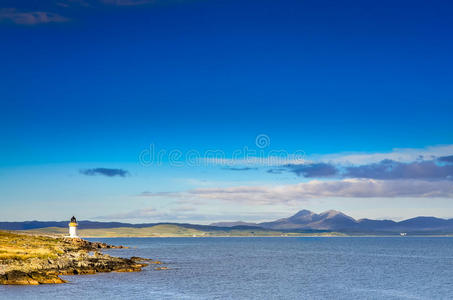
{"x": 163, "y": 230}
{"x": 171, "y": 230}
{"x": 24, "y": 246}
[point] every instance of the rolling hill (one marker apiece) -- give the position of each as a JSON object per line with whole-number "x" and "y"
{"x": 301, "y": 223}
{"x": 333, "y": 220}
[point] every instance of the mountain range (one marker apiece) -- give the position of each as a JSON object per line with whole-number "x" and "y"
{"x": 333, "y": 220}
{"x": 302, "y": 221}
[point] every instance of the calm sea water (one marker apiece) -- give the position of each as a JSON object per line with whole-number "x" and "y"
{"x": 268, "y": 268}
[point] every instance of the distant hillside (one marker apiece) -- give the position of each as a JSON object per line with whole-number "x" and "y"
{"x": 231, "y": 224}
{"x": 304, "y": 221}
{"x": 41, "y": 224}
{"x": 28, "y": 225}
{"x": 337, "y": 221}
{"x": 171, "y": 230}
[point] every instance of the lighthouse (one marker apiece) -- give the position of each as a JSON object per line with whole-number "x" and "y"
{"x": 73, "y": 228}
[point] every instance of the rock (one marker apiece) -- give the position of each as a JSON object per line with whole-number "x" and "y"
{"x": 16, "y": 277}
{"x": 125, "y": 270}
{"x": 46, "y": 278}
{"x": 136, "y": 258}
{"x": 71, "y": 257}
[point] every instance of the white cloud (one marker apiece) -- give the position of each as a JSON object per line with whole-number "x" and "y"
{"x": 30, "y": 18}
{"x": 253, "y": 161}
{"x": 397, "y": 154}
{"x": 282, "y": 157}
{"x": 126, "y": 2}
{"x": 135, "y": 214}
{"x": 347, "y": 188}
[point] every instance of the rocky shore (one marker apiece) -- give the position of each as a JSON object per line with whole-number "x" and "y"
{"x": 33, "y": 259}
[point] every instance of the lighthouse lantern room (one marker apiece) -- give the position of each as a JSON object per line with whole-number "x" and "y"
{"x": 73, "y": 227}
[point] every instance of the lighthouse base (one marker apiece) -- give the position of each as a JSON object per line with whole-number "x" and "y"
{"x": 73, "y": 232}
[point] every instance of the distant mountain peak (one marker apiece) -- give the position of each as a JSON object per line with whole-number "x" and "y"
{"x": 232, "y": 224}
{"x": 334, "y": 213}
{"x": 303, "y": 212}
{"x": 301, "y": 217}
{"x": 331, "y": 212}
{"x": 303, "y": 220}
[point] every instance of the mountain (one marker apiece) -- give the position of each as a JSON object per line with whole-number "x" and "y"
{"x": 302, "y": 221}
{"x": 233, "y": 224}
{"x": 298, "y": 221}
{"x": 333, "y": 220}
{"x": 367, "y": 225}
{"x": 27, "y": 225}
{"x": 30, "y": 225}
{"x": 305, "y": 219}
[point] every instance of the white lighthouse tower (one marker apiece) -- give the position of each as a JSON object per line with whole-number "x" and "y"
{"x": 73, "y": 227}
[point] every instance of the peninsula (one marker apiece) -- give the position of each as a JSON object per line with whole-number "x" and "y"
{"x": 31, "y": 259}
{"x": 302, "y": 223}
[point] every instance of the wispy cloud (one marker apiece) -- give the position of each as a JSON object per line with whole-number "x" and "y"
{"x": 42, "y": 12}
{"x": 277, "y": 170}
{"x": 239, "y": 168}
{"x": 350, "y": 188}
{"x": 385, "y": 169}
{"x": 251, "y": 161}
{"x": 105, "y": 172}
{"x": 151, "y": 215}
{"x": 183, "y": 215}
{"x": 156, "y": 194}
{"x": 126, "y": 2}
{"x": 30, "y": 17}
{"x": 447, "y": 159}
{"x": 311, "y": 170}
{"x": 389, "y": 169}
{"x": 408, "y": 163}
{"x": 143, "y": 213}
{"x": 397, "y": 154}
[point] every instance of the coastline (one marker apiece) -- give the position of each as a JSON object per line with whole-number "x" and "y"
{"x": 174, "y": 230}
{"x": 274, "y": 236}
{"x": 295, "y": 236}
{"x": 32, "y": 259}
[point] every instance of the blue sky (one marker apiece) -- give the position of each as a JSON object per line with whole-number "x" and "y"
{"x": 87, "y": 86}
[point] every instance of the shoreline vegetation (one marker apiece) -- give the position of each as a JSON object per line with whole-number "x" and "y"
{"x": 33, "y": 259}
{"x": 169, "y": 230}
{"x": 172, "y": 230}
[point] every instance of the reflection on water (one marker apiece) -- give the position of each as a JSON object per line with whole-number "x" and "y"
{"x": 268, "y": 268}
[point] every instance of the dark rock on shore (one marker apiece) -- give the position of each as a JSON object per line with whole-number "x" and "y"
{"x": 33, "y": 278}
{"x": 65, "y": 257}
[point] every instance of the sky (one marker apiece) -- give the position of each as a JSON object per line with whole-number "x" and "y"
{"x": 213, "y": 110}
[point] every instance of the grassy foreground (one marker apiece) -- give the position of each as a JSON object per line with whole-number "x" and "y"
{"x": 22, "y": 247}
{"x": 169, "y": 230}
{"x": 33, "y": 259}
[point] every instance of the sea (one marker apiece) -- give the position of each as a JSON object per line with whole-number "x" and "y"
{"x": 268, "y": 268}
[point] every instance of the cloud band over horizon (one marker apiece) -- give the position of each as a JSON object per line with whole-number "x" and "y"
{"x": 442, "y": 168}
{"x": 315, "y": 189}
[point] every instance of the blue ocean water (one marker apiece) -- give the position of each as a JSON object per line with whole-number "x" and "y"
{"x": 268, "y": 268}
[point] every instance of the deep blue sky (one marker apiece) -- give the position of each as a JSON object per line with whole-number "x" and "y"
{"x": 105, "y": 80}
